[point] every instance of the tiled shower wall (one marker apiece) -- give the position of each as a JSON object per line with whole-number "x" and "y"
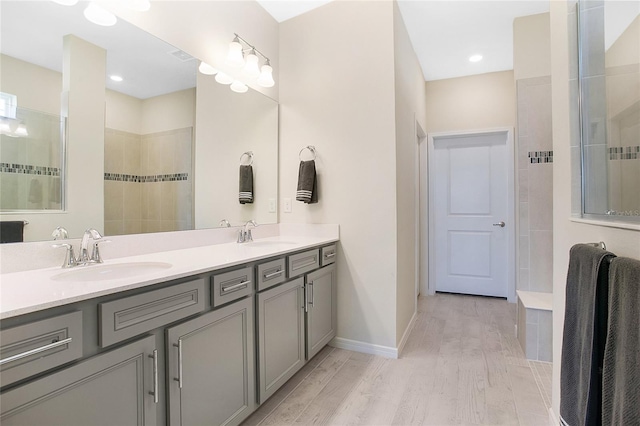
{"x": 535, "y": 183}
{"x": 148, "y": 182}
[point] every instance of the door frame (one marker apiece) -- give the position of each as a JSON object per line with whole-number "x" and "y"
{"x": 510, "y": 219}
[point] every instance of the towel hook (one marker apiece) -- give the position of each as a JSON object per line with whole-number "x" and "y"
{"x": 248, "y": 154}
{"x": 310, "y": 148}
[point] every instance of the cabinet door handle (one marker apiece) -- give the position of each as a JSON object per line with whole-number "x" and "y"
{"x": 36, "y": 351}
{"x": 234, "y": 287}
{"x": 179, "y": 378}
{"x": 311, "y": 291}
{"x": 304, "y": 294}
{"x": 155, "y": 376}
{"x": 273, "y": 274}
{"x": 329, "y": 255}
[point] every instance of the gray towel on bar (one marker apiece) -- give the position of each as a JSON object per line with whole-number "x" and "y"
{"x": 11, "y": 231}
{"x": 621, "y": 370}
{"x": 307, "y": 183}
{"x": 584, "y": 336}
{"x": 246, "y": 184}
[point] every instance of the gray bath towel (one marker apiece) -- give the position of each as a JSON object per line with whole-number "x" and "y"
{"x": 246, "y": 184}
{"x": 621, "y": 370}
{"x": 584, "y": 336}
{"x": 307, "y": 183}
{"x": 11, "y": 231}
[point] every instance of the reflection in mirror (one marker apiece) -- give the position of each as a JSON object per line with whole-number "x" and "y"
{"x": 155, "y": 163}
{"x": 609, "y": 66}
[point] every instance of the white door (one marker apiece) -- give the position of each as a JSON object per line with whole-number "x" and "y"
{"x": 470, "y": 186}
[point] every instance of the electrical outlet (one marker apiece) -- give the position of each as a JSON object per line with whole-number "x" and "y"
{"x": 272, "y": 205}
{"x": 287, "y": 205}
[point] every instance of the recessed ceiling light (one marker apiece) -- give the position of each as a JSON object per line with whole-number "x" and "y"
{"x": 116, "y": 78}
{"x": 475, "y": 58}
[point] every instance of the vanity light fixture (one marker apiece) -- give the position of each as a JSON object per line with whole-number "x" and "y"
{"x": 239, "y": 87}
{"x": 475, "y": 58}
{"x": 235, "y": 57}
{"x": 13, "y": 128}
{"x": 223, "y": 78}
{"x": 243, "y": 54}
{"x": 21, "y": 130}
{"x": 116, "y": 78}
{"x": 99, "y": 15}
{"x": 251, "y": 68}
{"x": 266, "y": 75}
{"x": 207, "y": 69}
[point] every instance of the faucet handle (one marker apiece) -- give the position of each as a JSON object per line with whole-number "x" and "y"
{"x": 248, "y": 236}
{"x": 60, "y": 233}
{"x": 240, "y": 236}
{"x": 95, "y": 254}
{"x": 70, "y": 258}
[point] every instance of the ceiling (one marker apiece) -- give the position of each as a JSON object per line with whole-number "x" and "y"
{"x": 444, "y": 33}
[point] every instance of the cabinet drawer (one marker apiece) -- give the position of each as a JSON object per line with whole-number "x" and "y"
{"x": 39, "y": 346}
{"x": 231, "y": 286}
{"x": 303, "y": 262}
{"x": 130, "y": 316}
{"x": 328, "y": 254}
{"x": 270, "y": 274}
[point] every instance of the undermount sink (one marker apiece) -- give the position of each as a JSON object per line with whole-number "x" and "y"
{"x": 278, "y": 243}
{"x": 110, "y": 272}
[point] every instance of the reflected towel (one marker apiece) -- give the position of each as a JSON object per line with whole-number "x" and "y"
{"x": 621, "y": 369}
{"x": 35, "y": 191}
{"x": 246, "y": 184}
{"x": 584, "y": 336}
{"x": 307, "y": 183}
{"x": 11, "y": 231}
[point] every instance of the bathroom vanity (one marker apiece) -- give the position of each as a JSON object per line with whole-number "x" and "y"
{"x": 203, "y": 341}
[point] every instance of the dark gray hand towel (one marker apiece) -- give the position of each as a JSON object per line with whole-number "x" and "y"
{"x": 246, "y": 184}
{"x": 307, "y": 183}
{"x": 584, "y": 336}
{"x": 11, "y": 231}
{"x": 621, "y": 369}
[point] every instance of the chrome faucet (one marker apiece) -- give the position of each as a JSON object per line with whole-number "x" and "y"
{"x": 224, "y": 223}
{"x": 83, "y": 258}
{"x": 60, "y": 233}
{"x": 244, "y": 235}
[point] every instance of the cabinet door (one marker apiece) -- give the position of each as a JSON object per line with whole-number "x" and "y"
{"x": 113, "y": 388}
{"x": 210, "y": 371}
{"x": 321, "y": 308}
{"x": 280, "y": 313}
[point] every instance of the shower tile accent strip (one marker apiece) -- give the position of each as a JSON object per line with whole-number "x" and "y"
{"x": 174, "y": 177}
{"x": 624, "y": 153}
{"x": 536, "y": 157}
{"x": 28, "y": 169}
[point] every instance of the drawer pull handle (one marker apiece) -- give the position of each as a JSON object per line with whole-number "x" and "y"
{"x": 36, "y": 351}
{"x": 179, "y": 378}
{"x": 329, "y": 255}
{"x": 273, "y": 274}
{"x": 312, "y": 293}
{"x": 313, "y": 262}
{"x": 235, "y": 287}
{"x": 155, "y": 376}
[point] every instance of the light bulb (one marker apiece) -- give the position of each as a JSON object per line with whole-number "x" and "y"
{"x": 22, "y": 130}
{"x": 207, "y": 69}
{"x": 239, "y": 87}
{"x": 251, "y": 68}
{"x": 99, "y": 15}
{"x": 266, "y": 76}
{"x": 235, "y": 57}
{"x": 138, "y": 5}
{"x": 5, "y": 128}
{"x": 66, "y": 2}
{"x": 223, "y": 78}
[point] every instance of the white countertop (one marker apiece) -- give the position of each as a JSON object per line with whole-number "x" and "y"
{"x": 536, "y": 300}
{"x": 31, "y": 291}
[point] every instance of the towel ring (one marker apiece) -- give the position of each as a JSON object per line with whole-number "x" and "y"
{"x": 248, "y": 154}
{"x": 311, "y": 148}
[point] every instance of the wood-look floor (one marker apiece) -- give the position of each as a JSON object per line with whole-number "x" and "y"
{"x": 462, "y": 364}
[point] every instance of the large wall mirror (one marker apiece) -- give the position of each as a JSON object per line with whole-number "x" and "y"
{"x": 609, "y": 76}
{"x": 174, "y": 138}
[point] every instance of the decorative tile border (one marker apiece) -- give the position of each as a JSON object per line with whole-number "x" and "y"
{"x": 28, "y": 169}
{"x": 536, "y": 157}
{"x": 119, "y": 177}
{"x": 624, "y": 153}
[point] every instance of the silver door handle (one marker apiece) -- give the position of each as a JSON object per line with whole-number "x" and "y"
{"x": 311, "y": 288}
{"x": 273, "y": 274}
{"x": 235, "y": 287}
{"x": 179, "y": 378}
{"x": 329, "y": 255}
{"x": 155, "y": 376}
{"x": 306, "y": 303}
{"x": 500, "y": 224}
{"x": 36, "y": 351}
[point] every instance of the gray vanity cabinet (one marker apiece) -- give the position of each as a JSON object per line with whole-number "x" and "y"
{"x": 281, "y": 351}
{"x": 320, "y": 304}
{"x": 113, "y": 388}
{"x": 210, "y": 367}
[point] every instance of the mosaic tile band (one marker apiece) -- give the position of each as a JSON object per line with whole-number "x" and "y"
{"x": 624, "y": 153}
{"x": 537, "y": 157}
{"x": 119, "y": 177}
{"x": 28, "y": 169}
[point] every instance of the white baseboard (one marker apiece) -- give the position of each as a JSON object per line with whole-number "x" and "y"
{"x": 367, "y": 348}
{"x": 406, "y": 334}
{"x": 553, "y": 420}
